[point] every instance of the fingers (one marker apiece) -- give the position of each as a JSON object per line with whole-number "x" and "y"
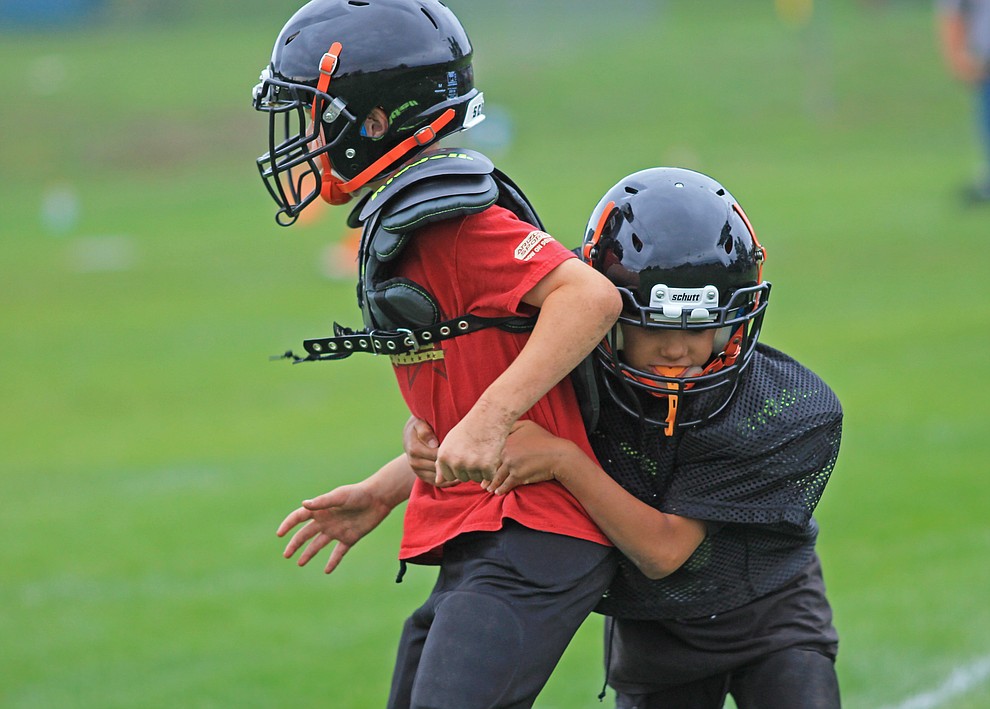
{"x": 424, "y": 434}
{"x": 440, "y": 481}
{"x": 336, "y": 554}
{"x": 419, "y": 441}
{"x": 317, "y": 515}
{"x": 420, "y": 444}
{"x": 463, "y": 472}
{"x": 334, "y": 498}
{"x": 295, "y": 517}
{"x": 320, "y": 540}
{"x": 448, "y": 473}
{"x": 317, "y": 541}
{"x": 502, "y": 482}
{"x": 299, "y": 538}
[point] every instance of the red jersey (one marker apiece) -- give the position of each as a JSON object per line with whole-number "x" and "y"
{"x": 483, "y": 265}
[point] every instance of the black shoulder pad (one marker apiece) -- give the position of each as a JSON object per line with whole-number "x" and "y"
{"x": 446, "y": 197}
{"x": 354, "y": 216}
{"x": 453, "y": 161}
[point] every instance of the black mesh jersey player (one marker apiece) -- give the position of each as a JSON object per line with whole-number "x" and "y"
{"x": 755, "y": 435}
{"x": 744, "y": 442}
{"x": 754, "y": 474}
{"x": 713, "y": 450}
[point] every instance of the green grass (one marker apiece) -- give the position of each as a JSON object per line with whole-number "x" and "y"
{"x": 149, "y": 449}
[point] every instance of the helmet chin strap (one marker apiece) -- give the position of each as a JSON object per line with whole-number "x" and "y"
{"x": 672, "y": 399}
{"x": 329, "y": 184}
{"x": 336, "y": 191}
{"x": 420, "y": 139}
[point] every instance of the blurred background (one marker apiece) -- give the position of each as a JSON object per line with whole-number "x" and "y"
{"x": 149, "y": 448}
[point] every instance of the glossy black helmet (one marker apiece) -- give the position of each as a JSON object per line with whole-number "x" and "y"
{"x": 683, "y": 255}
{"x": 334, "y": 62}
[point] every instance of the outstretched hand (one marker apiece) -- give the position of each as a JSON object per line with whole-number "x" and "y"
{"x": 344, "y": 515}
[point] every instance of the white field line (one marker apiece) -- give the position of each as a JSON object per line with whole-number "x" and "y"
{"x": 959, "y": 682}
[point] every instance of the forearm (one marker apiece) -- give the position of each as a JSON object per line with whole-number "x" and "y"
{"x": 574, "y": 317}
{"x": 658, "y": 543}
{"x": 392, "y": 484}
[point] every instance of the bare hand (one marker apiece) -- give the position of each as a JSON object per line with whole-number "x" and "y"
{"x": 344, "y": 515}
{"x": 420, "y": 444}
{"x": 532, "y": 455}
{"x": 472, "y": 450}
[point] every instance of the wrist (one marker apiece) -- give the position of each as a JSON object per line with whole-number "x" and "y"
{"x": 392, "y": 484}
{"x": 566, "y": 457}
{"x": 493, "y": 415}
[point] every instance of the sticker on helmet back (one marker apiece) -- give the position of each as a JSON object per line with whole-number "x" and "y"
{"x": 672, "y": 302}
{"x": 475, "y": 112}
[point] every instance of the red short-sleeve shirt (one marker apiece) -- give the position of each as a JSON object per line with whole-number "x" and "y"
{"x": 484, "y": 265}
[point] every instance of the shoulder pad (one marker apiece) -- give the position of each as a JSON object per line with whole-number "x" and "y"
{"x": 444, "y": 197}
{"x": 451, "y": 162}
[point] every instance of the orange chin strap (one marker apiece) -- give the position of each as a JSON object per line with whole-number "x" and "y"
{"x": 336, "y": 191}
{"x": 421, "y": 138}
{"x": 330, "y": 186}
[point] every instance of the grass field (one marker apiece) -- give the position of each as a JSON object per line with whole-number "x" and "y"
{"x": 149, "y": 449}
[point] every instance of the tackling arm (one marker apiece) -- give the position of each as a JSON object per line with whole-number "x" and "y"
{"x": 657, "y": 542}
{"x": 577, "y": 305}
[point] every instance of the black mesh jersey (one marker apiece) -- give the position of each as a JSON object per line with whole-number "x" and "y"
{"x": 754, "y": 474}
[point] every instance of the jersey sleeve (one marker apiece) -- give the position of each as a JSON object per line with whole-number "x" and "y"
{"x": 499, "y": 259}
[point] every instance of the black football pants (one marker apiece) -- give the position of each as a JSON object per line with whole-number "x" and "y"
{"x": 795, "y": 678}
{"x": 504, "y": 608}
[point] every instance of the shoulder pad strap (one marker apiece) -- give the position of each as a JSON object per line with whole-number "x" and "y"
{"x": 447, "y": 162}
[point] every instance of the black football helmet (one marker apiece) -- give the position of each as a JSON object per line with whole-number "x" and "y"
{"x": 333, "y": 63}
{"x": 683, "y": 255}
